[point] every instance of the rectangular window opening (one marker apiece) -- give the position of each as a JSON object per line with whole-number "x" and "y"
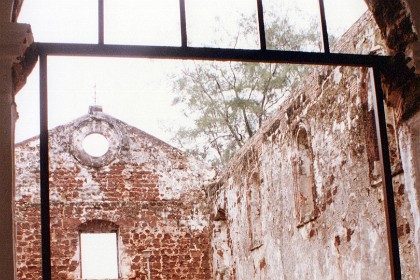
{"x": 99, "y": 255}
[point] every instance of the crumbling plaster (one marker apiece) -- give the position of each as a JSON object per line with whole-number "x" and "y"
{"x": 395, "y": 22}
{"x": 152, "y": 191}
{"x": 409, "y": 135}
{"x": 413, "y": 49}
{"x": 347, "y": 237}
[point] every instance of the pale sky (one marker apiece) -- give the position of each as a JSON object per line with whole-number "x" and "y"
{"x": 138, "y": 91}
{"x": 99, "y": 255}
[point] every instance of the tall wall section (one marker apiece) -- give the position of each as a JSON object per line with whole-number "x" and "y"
{"x": 303, "y": 199}
{"x": 150, "y": 193}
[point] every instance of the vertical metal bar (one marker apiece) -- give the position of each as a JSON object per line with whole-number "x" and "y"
{"x": 261, "y": 27}
{"x": 325, "y": 42}
{"x": 44, "y": 171}
{"x": 389, "y": 203}
{"x": 183, "y": 22}
{"x": 100, "y": 22}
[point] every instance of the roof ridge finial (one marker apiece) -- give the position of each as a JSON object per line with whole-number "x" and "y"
{"x": 94, "y": 96}
{"x": 95, "y": 108}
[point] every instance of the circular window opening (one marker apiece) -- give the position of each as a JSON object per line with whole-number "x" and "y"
{"x": 95, "y": 145}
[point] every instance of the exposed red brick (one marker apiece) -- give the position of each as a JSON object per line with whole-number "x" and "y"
{"x": 148, "y": 201}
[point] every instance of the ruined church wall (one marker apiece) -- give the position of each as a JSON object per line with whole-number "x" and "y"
{"x": 289, "y": 208}
{"x": 409, "y": 144}
{"x": 150, "y": 193}
{"x": 260, "y": 234}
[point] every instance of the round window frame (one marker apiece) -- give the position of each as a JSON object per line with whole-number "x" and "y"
{"x": 98, "y": 126}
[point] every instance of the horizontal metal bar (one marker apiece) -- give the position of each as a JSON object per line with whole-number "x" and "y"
{"x": 264, "y": 56}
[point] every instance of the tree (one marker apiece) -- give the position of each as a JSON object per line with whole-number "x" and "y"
{"x": 229, "y": 101}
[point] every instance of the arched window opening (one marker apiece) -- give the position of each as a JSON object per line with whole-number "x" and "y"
{"x": 253, "y": 187}
{"x": 304, "y": 179}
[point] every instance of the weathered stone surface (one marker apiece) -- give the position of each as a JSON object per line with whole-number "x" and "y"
{"x": 17, "y": 5}
{"x": 344, "y": 237}
{"x": 395, "y": 23}
{"x": 24, "y": 67}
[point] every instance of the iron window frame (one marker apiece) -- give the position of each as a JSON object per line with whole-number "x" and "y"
{"x": 376, "y": 64}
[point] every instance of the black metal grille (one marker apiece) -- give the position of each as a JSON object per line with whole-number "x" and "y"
{"x": 376, "y": 63}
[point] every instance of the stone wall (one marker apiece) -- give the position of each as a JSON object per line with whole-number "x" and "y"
{"x": 151, "y": 192}
{"x": 303, "y": 199}
{"x": 394, "y": 21}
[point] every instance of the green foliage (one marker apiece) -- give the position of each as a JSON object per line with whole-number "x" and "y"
{"x": 229, "y": 101}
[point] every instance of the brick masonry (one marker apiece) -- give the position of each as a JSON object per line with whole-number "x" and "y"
{"x": 152, "y": 193}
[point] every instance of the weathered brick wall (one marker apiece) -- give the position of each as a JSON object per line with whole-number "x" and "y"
{"x": 152, "y": 192}
{"x": 267, "y": 226}
{"x": 394, "y": 21}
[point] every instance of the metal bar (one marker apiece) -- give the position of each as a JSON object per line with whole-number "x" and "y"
{"x": 263, "y": 56}
{"x": 159, "y": 52}
{"x": 183, "y": 22}
{"x": 389, "y": 203}
{"x": 101, "y": 22}
{"x": 263, "y": 44}
{"x": 325, "y": 42}
{"x": 44, "y": 171}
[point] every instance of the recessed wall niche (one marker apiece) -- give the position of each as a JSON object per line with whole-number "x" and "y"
{"x": 303, "y": 177}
